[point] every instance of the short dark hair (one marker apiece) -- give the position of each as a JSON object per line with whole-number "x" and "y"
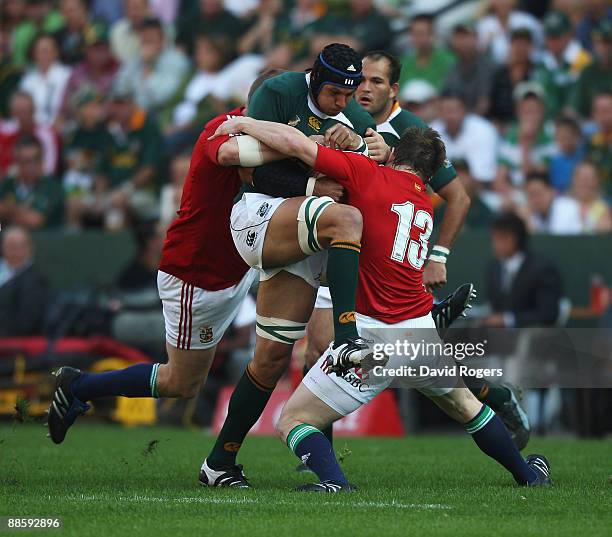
{"x": 570, "y": 123}
{"x": 510, "y": 222}
{"x": 422, "y": 17}
{"x": 395, "y": 67}
{"x": 422, "y": 149}
{"x": 268, "y": 73}
{"x": 152, "y": 23}
{"x": 534, "y": 176}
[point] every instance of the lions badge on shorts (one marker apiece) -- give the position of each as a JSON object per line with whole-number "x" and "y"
{"x": 206, "y": 334}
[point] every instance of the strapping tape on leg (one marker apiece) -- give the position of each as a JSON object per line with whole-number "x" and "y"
{"x": 309, "y": 213}
{"x": 279, "y": 330}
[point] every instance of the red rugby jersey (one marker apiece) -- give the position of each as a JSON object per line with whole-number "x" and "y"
{"x": 199, "y": 248}
{"x": 397, "y": 222}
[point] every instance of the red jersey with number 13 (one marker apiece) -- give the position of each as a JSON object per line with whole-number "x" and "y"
{"x": 199, "y": 248}
{"x": 397, "y": 222}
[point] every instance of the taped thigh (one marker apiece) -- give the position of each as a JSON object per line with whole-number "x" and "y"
{"x": 279, "y": 330}
{"x": 309, "y": 213}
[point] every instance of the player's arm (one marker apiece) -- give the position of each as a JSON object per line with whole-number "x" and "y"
{"x": 457, "y": 206}
{"x": 229, "y": 153}
{"x": 276, "y": 136}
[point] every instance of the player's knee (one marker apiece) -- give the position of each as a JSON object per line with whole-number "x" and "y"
{"x": 348, "y": 223}
{"x": 285, "y": 423}
{"x": 271, "y": 360}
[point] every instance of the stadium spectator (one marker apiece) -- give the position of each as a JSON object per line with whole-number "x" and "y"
{"x": 597, "y": 76}
{"x": 29, "y": 198}
{"x": 568, "y": 153}
{"x": 425, "y": 60}
{"x": 170, "y": 196}
{"x": 595, "y": 214}
{"x": 165, "y": 10}
{"x": 263, "y": 28}
{"x": 10, "y": 76}
{"x": 595, "y": 12}
{"x": 41, "y": 17}
{"x": 420, "y": 98}
{"x": 183, "y": 116}
{"x": 298, "y": 25}
{"x": 547, "y": 212}
{"x": 528, "y": 144}
{"x": 473, "y": 73}
{"x": 131, "y": 161}
{"x": 561, "y": 63}
{"x": 154, "y": 76}
{"x": 480, "y": 214}
{"x": 467, "y": 136}
{"x": 71, "y": 37}
{"x": 21, "y": 123}
{"x": 125, "y": 33}
{"x": 23, "y": 291}
{"x": 496, "y": 28}
{"x": 519, "y": 68}
{"x": 364, "y": 25}
{"x": 599, "y": 146}
{"x": 96, "y": 72}
{"x": 207, "y": 17}
{"x": 524, "y": 289}
{"x": 12, "y": 13}
{"x": 46, "y": 80}
{"x": 141, "y": 272}
{"x": 85, "y": 145}
{"x": 109, "y": 11}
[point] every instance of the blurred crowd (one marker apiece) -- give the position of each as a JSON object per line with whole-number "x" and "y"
{"x": 101, "y": 101}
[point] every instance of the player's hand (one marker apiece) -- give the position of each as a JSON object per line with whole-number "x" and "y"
{"x": 234, "y": 125}
{"x": 434, "y": 275}
{"x": 341, "y": 137}
{"x": 378, "y": 149}
{"x": 328, "y": 187}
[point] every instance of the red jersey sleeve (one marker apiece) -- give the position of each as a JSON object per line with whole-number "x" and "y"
{"x": 349, "y": 169}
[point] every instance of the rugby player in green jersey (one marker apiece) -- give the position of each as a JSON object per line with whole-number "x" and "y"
{"x": 279, "y": 231}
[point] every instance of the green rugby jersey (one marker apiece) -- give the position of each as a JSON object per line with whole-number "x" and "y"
{"x": 286, "y": 99}
{"x": 398, "y": 121}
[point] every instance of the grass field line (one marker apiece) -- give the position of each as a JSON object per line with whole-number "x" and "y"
{"x": 243, "y": 500}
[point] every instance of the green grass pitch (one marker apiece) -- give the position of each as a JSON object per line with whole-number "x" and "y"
{"x": 108, "y": 480}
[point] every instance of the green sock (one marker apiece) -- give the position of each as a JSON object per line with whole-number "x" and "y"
{"x": 342, "y": 276}
{"x": 328, "y": 431}
{"x": 245, "y": 407}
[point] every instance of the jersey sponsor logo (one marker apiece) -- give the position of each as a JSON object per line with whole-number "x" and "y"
{"x": 206, "y": 334}
{"x": 347, "y": 317}
{"x": 250, "y": 238}
{"x": 293, "y": 122}
{"x": 233, "y": 447}
{"x": 263, "y": 210}
{"x": 314, "y": 123}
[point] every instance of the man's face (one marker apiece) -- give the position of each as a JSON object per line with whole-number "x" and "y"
{"x": 520, "y": 49}
{"x": 465, "y": 44}
{"x": 504, "y": 244}
{"x": 603, "y": 50}
{"x": 539, "y": 196}
{"x": 375, "y": 92}
{"x": 151, "y": 44}
{"x": 121, "y": 110}
{"x": 29, "y": 163}
{"x": 98, "y": 55}
{"x": 136, "y": 10}
{"x": 531, "y": 113}
{"x": 22, "y": 109}
{"x": 452, "y": 113}
{"x": 421, "y": 35}
{"x": 332, "y": 100}
{"x": 556, "y": 44}
{"x": 602, "y": 112}
{"x": 16, "y": 249}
